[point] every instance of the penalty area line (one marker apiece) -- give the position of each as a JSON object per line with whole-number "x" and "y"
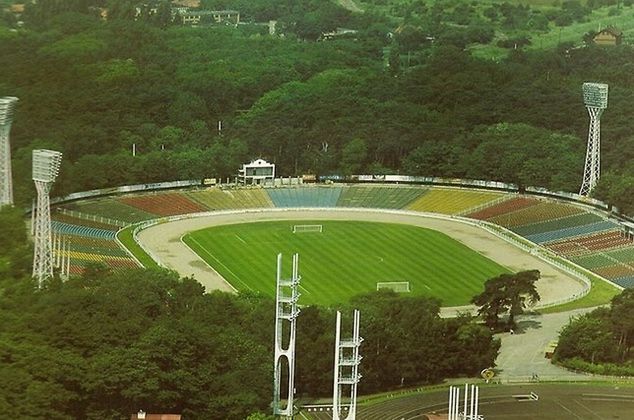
{"x": 240, "y": 239}
{"x": 220, "y": 263}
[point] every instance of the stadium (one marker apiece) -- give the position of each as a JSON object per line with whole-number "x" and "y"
{"x": 582, "y": 250}
{"x": 582, "y": 234}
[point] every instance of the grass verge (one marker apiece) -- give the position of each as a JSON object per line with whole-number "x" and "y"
{"x": 600, "y": 294}
{"x": 126, "y": 237}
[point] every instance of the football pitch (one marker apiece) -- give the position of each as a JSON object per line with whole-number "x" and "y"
{"x": 345, "y": 259}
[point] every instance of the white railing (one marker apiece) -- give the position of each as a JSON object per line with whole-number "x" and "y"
{"x": 488, "y": 204}
{"x": 92, "y": 217}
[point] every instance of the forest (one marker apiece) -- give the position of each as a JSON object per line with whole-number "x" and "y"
{"x": 92, "y": 88}
{"x": 105, "y": 345}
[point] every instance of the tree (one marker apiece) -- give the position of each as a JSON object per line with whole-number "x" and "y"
{"x": 622, "y": 316}
{"x": 507, "y": 293}
{"x": 603, "y": 336}
{"x": 353, "y": 156}
{"x": 587, "y": 337}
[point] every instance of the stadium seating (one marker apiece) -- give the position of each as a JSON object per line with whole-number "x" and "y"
{"x": 378, "y": 197}
{"x": 544, "y": 211}
{"x": 84, "y": 247}
{"x": 627, "y": 281}
{"x": 557, "y": 224}
{"x": 305, "y": 196}
{"x": 219, "y": 199}
{"x": 624, "y": 255}
{"x": 112, "y": 208}
{"x": 79, "y": 230}
{"x": 573, "y": 231}
{"x": 451, "y": 201}
{"x": 64, "y": 218}
{"x": 593, "y": 261}
{"x": 615, "y": 271}
{"x": 586, "y": 244}
{"x": 163, "y": 204}
{"x": 503, "y": 207}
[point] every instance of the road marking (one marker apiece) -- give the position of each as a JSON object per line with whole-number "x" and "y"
{"x": 588, "y": 409}
{"x": 220, "y": 263}
{"x": 567, "y": 409}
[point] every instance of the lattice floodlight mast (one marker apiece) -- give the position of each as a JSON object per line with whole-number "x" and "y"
{"x": 285, "y": 325}
{"x": 471, "y": 403}
{"x": 347, "y": 360}
{"x": 46, "y": 165}
{"x": 595, "y": 97}
{"x": 7, "y": 105}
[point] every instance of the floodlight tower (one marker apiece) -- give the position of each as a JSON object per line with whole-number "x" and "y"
{"x": 471, "y": 403}
{"x": 45, "y": 169}
{"x": 285, "y": 325}
{"x": 347, "y": 360}
{"x": 595, "y": 96}
{"x": 7, "y": 104}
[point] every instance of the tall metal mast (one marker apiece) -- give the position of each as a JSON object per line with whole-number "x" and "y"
{"x": 285, "y": 325}
{"x": 7, "y": 105}
{"x": 46, "y": 165}
{"x": 595, "y": 97}
{"x": 347, "y": 360}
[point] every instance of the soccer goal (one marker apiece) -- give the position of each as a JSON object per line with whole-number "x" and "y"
{"x": 307, "y": 228}
{"x": 397, "y": 286}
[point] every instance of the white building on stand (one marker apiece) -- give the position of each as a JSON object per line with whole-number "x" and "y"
{"x": 258, "y": 172}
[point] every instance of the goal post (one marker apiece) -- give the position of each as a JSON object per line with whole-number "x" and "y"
{"x": 397, "y": 286}
{"x": 308, "y": 228}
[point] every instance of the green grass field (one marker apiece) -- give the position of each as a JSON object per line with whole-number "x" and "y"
{"x": 346, "y": 259}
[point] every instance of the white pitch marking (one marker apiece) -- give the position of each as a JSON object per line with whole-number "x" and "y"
{"x": 241, "y": 240}
{"x": 219, "y": 262}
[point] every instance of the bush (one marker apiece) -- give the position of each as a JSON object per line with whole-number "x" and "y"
{"x": 610, "y": 369}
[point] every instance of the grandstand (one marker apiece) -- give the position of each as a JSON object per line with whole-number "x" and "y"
{"x": 541, "y": 212}
{"x": 111, "y": 208}
{"x": 580, "y": 245}
{"x": 89, "y": 244}
{"x": 219, "y": 199}
{"x": 504, "y": 207}
{"x": 163, "y": 204}
{"x": 305, "y": 196}
{"x": 572, "y": 231}
{"x": 452, "y": 200}
{"x": 378, "y": 197}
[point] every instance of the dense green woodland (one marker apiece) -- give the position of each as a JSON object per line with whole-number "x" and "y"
{"x": 601, "y": 341}
{"x": 105, "y": 345}
{"x": 92, "y": 89}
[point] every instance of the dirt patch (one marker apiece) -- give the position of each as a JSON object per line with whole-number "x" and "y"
{"x": 164, "y": 241}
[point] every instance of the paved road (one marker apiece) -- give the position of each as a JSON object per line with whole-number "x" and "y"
{"x": 522, "y": 353}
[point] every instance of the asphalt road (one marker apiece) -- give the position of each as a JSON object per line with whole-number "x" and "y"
{"x": 522, "y": 353}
